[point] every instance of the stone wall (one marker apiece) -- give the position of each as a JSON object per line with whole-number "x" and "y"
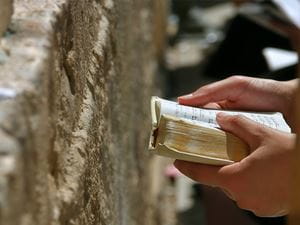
{"x": 76, "y": 77}
{"x": 6, "y": 10}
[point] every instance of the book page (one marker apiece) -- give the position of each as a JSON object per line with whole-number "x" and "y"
{"x": 208, "y": 116}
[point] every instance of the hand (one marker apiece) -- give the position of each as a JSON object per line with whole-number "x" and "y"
{"x": 246, "y": 93}
{"x": 260, "y": 182}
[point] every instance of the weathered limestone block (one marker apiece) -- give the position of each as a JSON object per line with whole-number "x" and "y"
{"x": 76, "y": 78}
{"x": 6, "y": 9}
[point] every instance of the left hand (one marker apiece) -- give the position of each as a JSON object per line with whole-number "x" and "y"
{"x": 246, "y": 93}
{"x": 260, "y": 182}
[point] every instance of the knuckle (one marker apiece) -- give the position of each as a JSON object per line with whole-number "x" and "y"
{"x": 232, "y": 185}
{"x": 229, "y": 183}
{"x": 258, "y": 210}
{"x": 242, "y": 203}
{"x": 258, "y": 213}
{"x": 232, "y": 179}
{"x": 246, "y": 204}
{"x": 250, "y": 205}
{"x": 260, "y": 132}
{"x": 225, "y": 181}
{"x": 236, "y": 120}
{"x": 239, "y": 79}
{"x": 204, "y": 89}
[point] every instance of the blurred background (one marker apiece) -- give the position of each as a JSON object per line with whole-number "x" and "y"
{"x": 209, "y": 41}
{"x": 76, "y": 77}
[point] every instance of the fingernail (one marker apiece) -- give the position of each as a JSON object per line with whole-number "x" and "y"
{"x": 185, "y": 97}
{"x": 221, "y": 115}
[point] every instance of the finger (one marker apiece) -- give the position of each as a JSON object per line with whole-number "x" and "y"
{"x": 228, "y": 194}
{"x": 228, "y": 89}
{"x": 222, "y": 105}
{"x": 212, "y": 105}
{"x": 204, "y": 174}
{"x": 242, "y": 127}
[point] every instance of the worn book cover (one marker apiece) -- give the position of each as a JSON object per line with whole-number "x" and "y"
{"x": 192, "y": 134}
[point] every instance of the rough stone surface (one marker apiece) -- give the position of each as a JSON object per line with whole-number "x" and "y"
{"x": 76, "y": 77}
{"x": 6, "y": 9}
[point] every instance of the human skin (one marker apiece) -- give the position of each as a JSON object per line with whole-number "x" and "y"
{"x": 246, "y": 93}
{"x": 260, "y": 182}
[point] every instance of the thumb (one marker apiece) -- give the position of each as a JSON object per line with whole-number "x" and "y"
{"x": 242, "y": 127}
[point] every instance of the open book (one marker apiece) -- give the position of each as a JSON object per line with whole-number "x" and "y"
{"x": 192, "y": 134}
{"x": 266, "y": 11}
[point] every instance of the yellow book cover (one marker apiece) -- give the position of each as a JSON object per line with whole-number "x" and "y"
{"x": 192, "y": 134}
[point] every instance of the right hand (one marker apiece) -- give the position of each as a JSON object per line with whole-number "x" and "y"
{"x": 246, "y": 93}
{"x": 261, "y": 181}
